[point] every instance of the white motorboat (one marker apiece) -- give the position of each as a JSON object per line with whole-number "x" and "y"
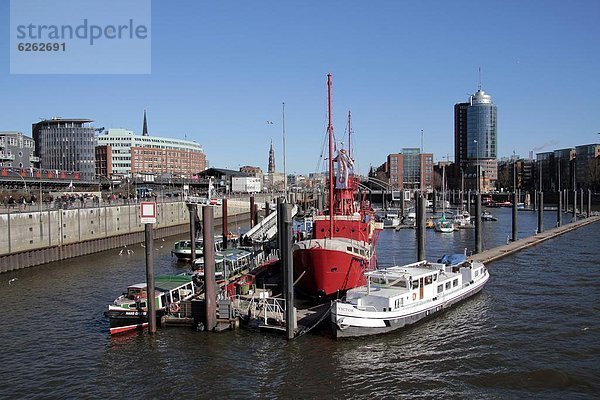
{"x": 402, "y": 295}
{"x": 391, "y": 220}
{"x": 462, "y": 220}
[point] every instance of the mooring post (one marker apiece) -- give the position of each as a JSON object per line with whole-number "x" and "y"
{"x": 224, "y": 229}
{"x": 255, "y": 214}
{"x": 566, "y": 202}
{"x": 285, "y": 211}
{"x": 402, "y": 205}
{"x": 252, "y": 220}
{"x": 150, "y": 299}
{"x": 535, "y": 200}
{"x": 478, "y": 242}
{"x": 559, "y": 209}
{"x": 210, "y": 285}
{"x": 420, "y": 203}
{"x": 515, "y": 234}
{"x": 574, "y": 205}
{"x": 434, "y": 202}
{"x": 540, "y": 224}
{"x": 589, "y": 205}
{"x": 267, "y": 209}
{"x": 193, "y": 214}
{"x": 469, "y": 201}
{"x": 280, "y": 201}
{"x": 581, "y": 197}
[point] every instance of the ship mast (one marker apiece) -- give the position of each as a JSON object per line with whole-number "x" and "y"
{"x": 330, "y": 134}
{"x": 349, "y": 133}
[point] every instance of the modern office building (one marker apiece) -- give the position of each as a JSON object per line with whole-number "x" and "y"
{"x": 587, "y": 166}
{"x": 17, "y": 151}
{"x": 475, "y": 153}
{"x": 460, "y": 138}
{"x": 66, "y": 144}
{"x": 410, "y": 169}
{"x": 132, "y": 154}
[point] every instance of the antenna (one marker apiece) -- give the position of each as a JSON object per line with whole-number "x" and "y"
{"x": 283, "y": 134}
{"x": 479, "y": 86}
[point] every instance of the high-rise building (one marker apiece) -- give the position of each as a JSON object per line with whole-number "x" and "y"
{"x": 475, "y": 152}
{"x": 587, "y": 166}
{"x": 66, "y": 144}
{"x": 460, "y": 138}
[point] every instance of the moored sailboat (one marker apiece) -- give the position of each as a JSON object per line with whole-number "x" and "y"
{"x": 343, "y": 241}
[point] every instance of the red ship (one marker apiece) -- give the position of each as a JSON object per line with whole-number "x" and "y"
{"x": 343, "y": 242}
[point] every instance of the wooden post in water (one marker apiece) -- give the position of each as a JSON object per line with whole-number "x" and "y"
{"x": 581, "y": 196}
{"x": 150, "y": 300}
{"x": 540, "y": 224}
{"x": 589, "y": 206}
{"x": 574, "y": 205}
{"x": 192, "y": 210}
{"x": 434, "y": 201}
{"x": 420, "y": 203}
{"x": 210, "y": 285}
{"x": 515, "y": 233}
{"x": 566, "y": 202}
{"x": 224, "y": 229}
{"x": 469, "y": 201}
{"x": 280, "y": 201}
{"x": 559, "y": 209}
{"x": 535, "y": 200}
{"x": 284, "y": 211}
{"x": 267, "y": 209}
{"x": 255, "y": 214}
{"x": 478, "y": 242}
{"x": 252, "y": 220}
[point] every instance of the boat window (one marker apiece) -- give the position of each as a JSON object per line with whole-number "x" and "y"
{"x": 476, "y": 272}
{"x": 175, "y": 295}
{"x": 440, "y": 288}
{"x": 400, "y": 283}
{"x": 142, "y": 304}
{"x": 163, "y": 299}
{"x": 415, "y": 284}
{"x": 428, "y": 279}
{"x": 447, "y": 285}
{"x": 455, "y": 282}
{"x": 349, "y": 248}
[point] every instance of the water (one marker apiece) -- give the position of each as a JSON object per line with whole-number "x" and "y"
{"x": 532, "y": 332}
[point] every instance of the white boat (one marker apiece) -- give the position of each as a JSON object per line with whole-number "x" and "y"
{"x": 391, "y": 220}
{"x": 183, "y": 248}
{"x": 399, "y": 296}
{"x": 486, "y": 216}
{"x": 462, "y": 220}
{"x": 443, "y": 225}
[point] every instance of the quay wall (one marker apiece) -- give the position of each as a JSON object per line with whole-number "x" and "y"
{"x": 38, "y": 237}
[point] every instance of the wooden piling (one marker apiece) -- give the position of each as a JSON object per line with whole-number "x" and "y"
{"x": 515, "y": 232}
{"x": 589, "y": 204}
{"x": 559, "y": 209}
{"x": 285, "y": 213}
{"x": 224, "y": 227}
{"x": 540, "y": 224}
{"x": 574, "y": 205}
{"x": 210, "y": 285}
{"x": 193, "y": 212}
{"x": 478, "y": 242}
{"x": 150, "y": 302}
{"x": 252, "y": 220}
{"x": 420, "y": 203}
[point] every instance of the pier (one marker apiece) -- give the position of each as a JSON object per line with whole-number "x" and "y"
{"x": 497, "y": 253}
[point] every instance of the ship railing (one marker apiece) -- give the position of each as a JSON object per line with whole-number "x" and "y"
{"x": 260, "y": 308}
{"x": 367, "y": 308}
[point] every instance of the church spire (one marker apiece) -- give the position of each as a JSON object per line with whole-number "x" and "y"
{"x": 145, "y": 128}
{"x": 271, "y": 159}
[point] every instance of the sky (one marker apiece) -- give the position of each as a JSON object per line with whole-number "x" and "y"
{"x": 221, "y": 69}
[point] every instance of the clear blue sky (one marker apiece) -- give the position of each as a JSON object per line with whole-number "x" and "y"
{"x": 220, "y": 70}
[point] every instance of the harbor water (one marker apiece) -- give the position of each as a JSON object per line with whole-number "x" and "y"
{"x": 532, "y": 332}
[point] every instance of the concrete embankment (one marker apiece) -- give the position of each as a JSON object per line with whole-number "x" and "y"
{"x": 497, "y": 253}
{"x": 34, "y": 238}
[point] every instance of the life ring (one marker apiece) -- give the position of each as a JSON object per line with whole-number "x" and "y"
{"x": 174, "y": 307}
{"x": 414, "y": 296}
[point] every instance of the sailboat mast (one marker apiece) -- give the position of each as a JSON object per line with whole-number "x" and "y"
{"x": 349, "y": 133}
{"x": 330, "y": 133}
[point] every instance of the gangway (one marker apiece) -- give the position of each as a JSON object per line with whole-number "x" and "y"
{"x": 266, "y": 229}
